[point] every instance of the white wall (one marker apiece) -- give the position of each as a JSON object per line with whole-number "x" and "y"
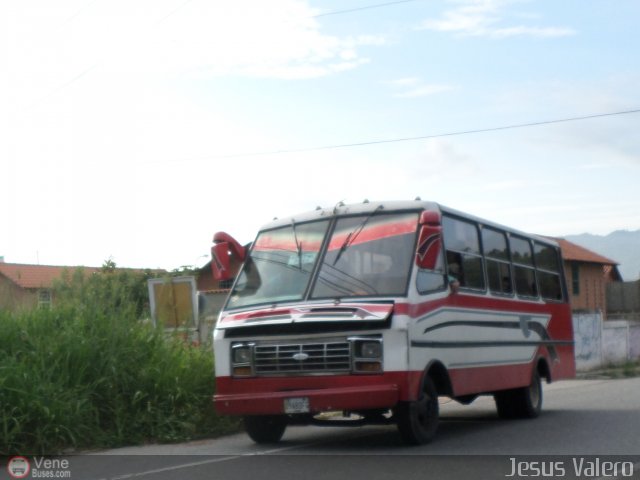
{"x": 599, "y": 343}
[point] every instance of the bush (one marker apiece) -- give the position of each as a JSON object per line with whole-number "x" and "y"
{"x": 89, "y": 373}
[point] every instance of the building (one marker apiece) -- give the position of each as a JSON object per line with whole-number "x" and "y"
{"x": 30, "y": 286}
{"x": 26, "y": 286}
{"x": 588, "y": 274}
{"x": 212, "y": 292}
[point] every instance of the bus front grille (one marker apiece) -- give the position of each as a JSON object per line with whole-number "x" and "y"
{"x": 305, "y": 358}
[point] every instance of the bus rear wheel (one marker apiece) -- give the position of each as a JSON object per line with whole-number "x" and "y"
{"x": 265, "y": 428}
{"x": 418, "y": 421}
{"x": 524, "y": 402}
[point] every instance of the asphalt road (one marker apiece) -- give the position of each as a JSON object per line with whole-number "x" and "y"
{"x": 583, "y": 422}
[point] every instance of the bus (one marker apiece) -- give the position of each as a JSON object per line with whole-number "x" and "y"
{"x": 372, "y": 311}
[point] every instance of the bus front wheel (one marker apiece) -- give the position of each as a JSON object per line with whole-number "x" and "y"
{"x": 418, "y": 421}
{"x": 265, "y": 428}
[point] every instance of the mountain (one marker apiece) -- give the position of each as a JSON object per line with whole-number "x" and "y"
{"x": 622, "y": 246}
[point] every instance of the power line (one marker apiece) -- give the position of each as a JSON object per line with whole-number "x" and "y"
{"x": 367, "y": 7}
{"x": 422, "y": 137}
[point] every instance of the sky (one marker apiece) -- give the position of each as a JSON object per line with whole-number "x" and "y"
{"x": 133, "y": 130}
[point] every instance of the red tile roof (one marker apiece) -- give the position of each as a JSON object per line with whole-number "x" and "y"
{"x": 36, "y": 276}
{"x": 571, "y": 251}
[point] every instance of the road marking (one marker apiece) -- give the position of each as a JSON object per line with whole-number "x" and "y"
{"x": 215, "y": 460}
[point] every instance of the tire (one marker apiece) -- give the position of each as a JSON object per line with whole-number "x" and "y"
{"x": 418, "y": 421}
{"x": 528, "y": 400}
{"x": 265, "y": 428}
{"x": 524, "y": 402}
{"x": 505, "y": 404}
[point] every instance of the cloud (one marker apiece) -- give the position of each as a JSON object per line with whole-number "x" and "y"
{"x": 276, "y": 39}
{"x": 195, "y": 39}
{"x": 423, "y": 91}
{"x": 404, "y": 82}
{"x": 413, "y": 87}
{"x": 540, "y": 32}
{"x": 610, "y": 140}
{"x": 442, "y": 159}
{"x": 505, "y": 185}
{"x": 486, "y": 18}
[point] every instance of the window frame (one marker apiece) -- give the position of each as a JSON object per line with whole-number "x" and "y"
{"x": 575, "y": 279}
{"x": 479, "y": 255}
{"x": 518, "y": 265}
{"x": 499, "y": 261}
{"x": 45, "y": 302}
{"x": 545, "y": 271}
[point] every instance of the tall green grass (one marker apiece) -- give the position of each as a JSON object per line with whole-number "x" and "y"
{"x": 89, "y": 374}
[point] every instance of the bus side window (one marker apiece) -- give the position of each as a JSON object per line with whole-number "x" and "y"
{"x": 496, "y": 252}
{"x": 428, "y": 281}
{"x": 464, "y": 259}
{"x": 548, "y": 267}
{"x": 525, "y": 274}
{"x": 454, "y": 264}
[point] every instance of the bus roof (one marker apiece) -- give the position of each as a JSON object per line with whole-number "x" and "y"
{"x": 366, "y": 207}
{"x": 499, "y": 226}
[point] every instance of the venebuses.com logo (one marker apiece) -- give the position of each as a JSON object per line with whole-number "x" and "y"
{"x": 18, "y": 467}
{"x": 39, "y": 467}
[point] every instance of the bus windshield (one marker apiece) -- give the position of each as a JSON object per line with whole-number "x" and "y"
{"x": 366, "y": 255}
{"x": 279, "y": 266}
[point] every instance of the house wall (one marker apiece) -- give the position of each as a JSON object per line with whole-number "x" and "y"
{"x": 13, "y": 298}
{"x": 623, "y": 297}
{"x": 206, "y": 282}
{"x": 615, "y": 342}
{"x": 587, "y": 333}
{"x": 210, "y": 305}
{"x": 634, "y": 340}
{"x": 592, "y": 294}
{"x": 599, "y": 343}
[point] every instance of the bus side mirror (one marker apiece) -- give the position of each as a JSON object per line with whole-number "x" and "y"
{"x": 220, "y": 261}
{"x": 429, "y": 241}
{"x": 225, "y": 246}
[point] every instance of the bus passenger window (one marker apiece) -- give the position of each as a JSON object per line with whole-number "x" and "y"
{"x": 525, "y": 274}
{"x": 496, "y": 253}
{"x": 464, "y": 260}
{"x": 548, "y": 270}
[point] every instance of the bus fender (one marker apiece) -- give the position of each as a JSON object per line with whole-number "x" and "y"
{"x": 440, "y": 377}
{"x": 542, "y": 367}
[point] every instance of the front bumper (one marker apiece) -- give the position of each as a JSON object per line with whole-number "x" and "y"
{"x": 266, "y": 396}
{"x": 353, "y": 398}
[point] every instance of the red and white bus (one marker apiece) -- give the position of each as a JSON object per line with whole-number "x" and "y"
{"x": 377, "y": 309}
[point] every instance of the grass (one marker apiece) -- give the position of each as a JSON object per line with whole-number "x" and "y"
{"x": 84, "y": 376}
{"x": 628, "y": 369}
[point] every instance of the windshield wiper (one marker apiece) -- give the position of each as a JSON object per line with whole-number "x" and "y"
{"x": 298, "y": 244}
{"x": 354, "y": 234}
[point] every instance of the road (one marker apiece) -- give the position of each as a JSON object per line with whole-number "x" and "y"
{"x": 583, "y": 421}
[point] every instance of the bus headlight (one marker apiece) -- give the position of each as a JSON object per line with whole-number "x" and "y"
{"x": 370, "y": 350}
{"x": 241, "y": 354}
{"x": 242, "y": 359}
{"x": 367, "y": 354}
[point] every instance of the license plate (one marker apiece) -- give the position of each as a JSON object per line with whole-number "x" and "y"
{"x": 296, "y": 405}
